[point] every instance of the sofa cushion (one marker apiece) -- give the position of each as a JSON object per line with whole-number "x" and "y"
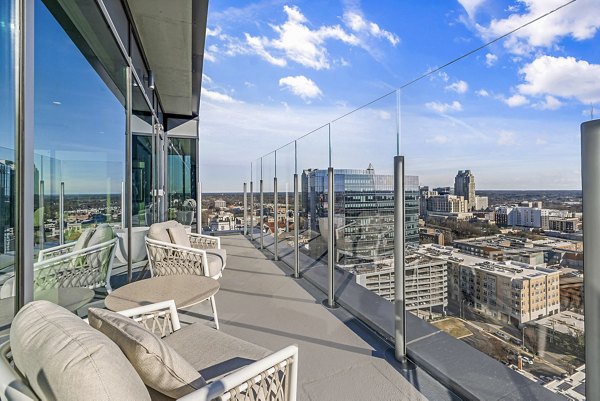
{"x": 83, "y": 239}
{"x": 158, "y": 231}
{"x": 216, "y": 260}
{"x": 179, "y": 236}
{"x": 217, "y": 353}
{"x": 103, "y": 233}
{"x": 63, "y": 358}
{"x": 159, "y": 366}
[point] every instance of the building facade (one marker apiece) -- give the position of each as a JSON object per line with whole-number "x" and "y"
{"x": 447, "y": 204}
{"x": 364, "y": 212}
{"x": 464, "y": 185}
{"x": 426, "y": 281}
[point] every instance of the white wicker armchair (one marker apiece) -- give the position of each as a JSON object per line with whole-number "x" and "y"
{"x": 203, "y": 255}
{"x": 90, "y": 267}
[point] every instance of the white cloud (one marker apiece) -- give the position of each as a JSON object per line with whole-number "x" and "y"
{"x": 482, "y": 93}
{"x": 301, "y": 86}
{"x": 296, "y": 40}
{"x": 579, "y": 20}
{"x": 490, "y": 59}
{"x": 563, "y": 77}
{"x": 549, "y": 103}
{"x": 206, "y": 79}
{"x": 444, "y": 107}
{"x": 541, "y": 141}
{"x": 356, "y": 22}
{"x": 471, "y": 6}
{"x": 516, "y": 100}
{"x": 208, "y": 56}
{"x": 438, "y": 139}
{"x": 506, "y": 138}
{"x": 217, "y": 96}
{"x": 213, "y": 32}
{"x": 458, "y": 87}
{"x": 249, "y": 84}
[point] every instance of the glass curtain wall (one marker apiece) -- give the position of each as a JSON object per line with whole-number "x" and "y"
{"x": 181, "y": 170}
{"x": 7, "y": 157}
{"x": 80, "y": 148}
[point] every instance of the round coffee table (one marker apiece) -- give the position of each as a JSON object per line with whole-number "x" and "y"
{"x": 185, "y": 290}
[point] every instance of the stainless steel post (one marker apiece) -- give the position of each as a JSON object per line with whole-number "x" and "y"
{"x": 399, "y": 278}
{"x": 24, "y": 158}
{"x": 276, "y": 217}
{"x": 245, "y": 211}
{"x": 296, "y": 229}
{"x": 590, "y": 181}
{"x": 251, "y": 211}
{"x": 61, "y": 214}
{"x": 261, "y": 221}
{"x": 41, "y": 232}
{"x": 287, "y": 202}
{"x": 330, "y": 239}
{"x": 128, "y": 168}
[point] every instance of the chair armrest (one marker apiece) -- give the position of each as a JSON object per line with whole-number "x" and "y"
{"x": 12, "y": 384}
{"x": 201, "y": 241}
{"x": 167, "y": 259}
{"x": 277, "y": 371}
{"x": 55, "y": 251}
{"x": 149, "y": 316}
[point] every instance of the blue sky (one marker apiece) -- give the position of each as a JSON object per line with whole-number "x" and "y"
{"x": 276, "y": 70}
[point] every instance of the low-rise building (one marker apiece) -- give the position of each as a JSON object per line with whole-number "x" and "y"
{"x": 426, "y": 281}
{"x": 565, "y": 225}
{"x": 510, "y": 291}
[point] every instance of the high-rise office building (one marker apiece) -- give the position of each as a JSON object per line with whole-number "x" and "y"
{"x": 464, "y": 185}
{"x": 364, "y": 212}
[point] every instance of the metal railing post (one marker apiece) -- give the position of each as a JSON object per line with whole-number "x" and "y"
{"x": 296, "y": 229}
{"x": 61, "y": 214}
{"x": 261, "y": 221}
{"x": 41, "y": 232}
{"x": 251, "y": 211}
{"x": 276, "y": 218}
{"x": 399, "y": 273}
{"x": 245, "y": 211}
{"x": 590, "y": 181}
{"x": 330, "y": 301}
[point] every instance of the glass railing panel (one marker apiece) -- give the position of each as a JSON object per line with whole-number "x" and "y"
{"x": 268, "y": 224}
{"x": 364, "y": 143}
{"x": 501, "y": 213}
{"x": 286, "y": 162}
{"x": 313, "y": 162}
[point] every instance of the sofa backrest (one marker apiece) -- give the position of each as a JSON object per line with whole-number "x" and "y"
{"x": 64, "y": 358}
{"x": 158, "y": 231}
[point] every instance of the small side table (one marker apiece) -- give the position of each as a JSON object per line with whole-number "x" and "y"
{"x": 185, "y": 290}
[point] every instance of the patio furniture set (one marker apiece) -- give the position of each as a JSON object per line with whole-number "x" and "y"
{"x": 136, "y": 349}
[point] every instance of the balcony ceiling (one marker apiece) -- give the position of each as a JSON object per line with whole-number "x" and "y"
{"x": 172, "y": 35}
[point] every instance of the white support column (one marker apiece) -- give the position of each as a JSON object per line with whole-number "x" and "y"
{"x": 590, "y": 180}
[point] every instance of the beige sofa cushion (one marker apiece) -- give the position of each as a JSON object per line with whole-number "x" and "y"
{"x": 159, "y": 366}
{"x": 212, "y": 352}
{"x": 103, "y": 233}
{"x": 216, "y": 260}
{"x": 179, "y": 236}
{"x": 158, "y": 231}
{"x": 63, "y": 358}
{"x": 83, "y": 239}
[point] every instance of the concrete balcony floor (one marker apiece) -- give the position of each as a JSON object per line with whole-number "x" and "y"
{"x": 340, "y": 359}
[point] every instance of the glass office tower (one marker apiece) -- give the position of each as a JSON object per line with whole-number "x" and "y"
{"x": 364, "y": 212}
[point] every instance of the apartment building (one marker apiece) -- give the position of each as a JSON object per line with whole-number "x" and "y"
{"x": 426, "y": 281}
{"x": 511, "y": 292}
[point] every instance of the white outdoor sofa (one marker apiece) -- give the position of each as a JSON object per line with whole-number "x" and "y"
{"x": 52, "y": 354}
{"x": 189, "y": 253}
{"x": 87, "y": 262}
